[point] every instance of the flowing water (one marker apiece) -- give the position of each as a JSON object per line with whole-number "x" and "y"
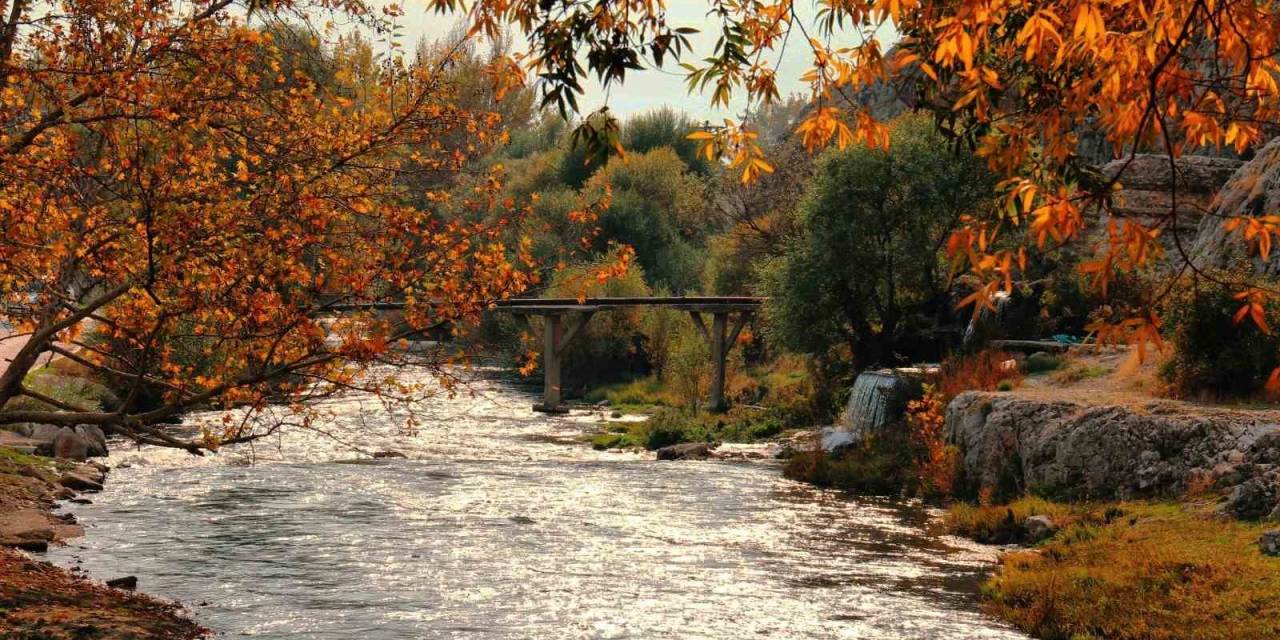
{"x": 500, "y": 525}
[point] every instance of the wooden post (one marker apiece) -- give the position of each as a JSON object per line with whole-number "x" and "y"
{"x": 718, "y": 323}
{"x": 550, "y": 364}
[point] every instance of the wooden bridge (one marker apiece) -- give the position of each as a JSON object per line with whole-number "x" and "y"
{"x": 563, "y": 318}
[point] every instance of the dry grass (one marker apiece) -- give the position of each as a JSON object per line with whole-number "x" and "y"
{"x": 1131, "y": 571}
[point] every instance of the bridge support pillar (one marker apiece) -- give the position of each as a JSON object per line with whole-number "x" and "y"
{"x": 720, "y": 339}
{"x": 555, "y": 337}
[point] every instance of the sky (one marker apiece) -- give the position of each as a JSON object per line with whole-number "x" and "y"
{"x": 650, "y": 88}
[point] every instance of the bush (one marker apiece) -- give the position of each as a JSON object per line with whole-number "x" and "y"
{"x": 657, "y": 208}
{"x": 1214, "y": 356}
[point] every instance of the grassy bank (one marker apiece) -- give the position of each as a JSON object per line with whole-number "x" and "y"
{"x": 1129, "y": 571}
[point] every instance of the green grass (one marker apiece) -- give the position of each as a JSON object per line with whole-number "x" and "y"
{"x": 1130, "y": 571}
{"x": 643, "y": 395}
{"x": 668, "y": 426}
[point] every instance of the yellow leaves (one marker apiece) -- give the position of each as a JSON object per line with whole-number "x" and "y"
{"x": 1040, "y": 31}
{"x": 1089, "y": 24}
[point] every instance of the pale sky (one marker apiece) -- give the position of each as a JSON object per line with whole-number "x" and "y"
{"x": 652, "y": 88}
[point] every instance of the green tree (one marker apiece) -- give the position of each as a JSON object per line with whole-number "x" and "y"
{"x": 665, "y": 127}
{"x": 864, "y": 272}
{"x": 658, "y": 208}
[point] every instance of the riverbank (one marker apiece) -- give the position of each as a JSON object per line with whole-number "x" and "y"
{"x": 1166, "y": 521}
{"x": 40, "y": 600}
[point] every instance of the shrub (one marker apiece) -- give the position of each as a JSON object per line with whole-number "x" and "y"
{"x": 1213, "y": 355}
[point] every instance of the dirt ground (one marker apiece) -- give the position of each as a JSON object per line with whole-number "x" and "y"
{"x": 39, "y": 600}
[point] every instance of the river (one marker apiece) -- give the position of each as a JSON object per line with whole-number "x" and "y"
{"x": 500, "y": 525}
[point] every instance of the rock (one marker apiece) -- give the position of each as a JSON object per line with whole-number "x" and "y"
{"x": 128, "y": 583}
{"x": 95, "y": 437}
{"x": 79, "y": 481}
{"x": 521, "y": 519}
{"x": 1039, "y": 527}
{"x": 1252, "y": 499}
{"x": 1253, "y": 190}
{"x": 687, "y": 451}
{"x": 34, "y": 546}
{"x": 615, "y": 415}
{"x": 26, "y": 525}
{"x": 1269, "y": 542}
{"x": 388, "y": 454}
{"x": 834, "y": 441}
{"x": 1011, "y": 444}
{"x": 80, "y": 501}
{"x": 70, "y": 445}
{"x": 1146, "y": 183}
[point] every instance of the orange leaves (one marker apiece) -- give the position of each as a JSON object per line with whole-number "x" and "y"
{"x": 738, "y": 144}
{"x": 1253, "y": 308}
{"x": 1257, "y": 231}
{"x": 1089, "y": 22}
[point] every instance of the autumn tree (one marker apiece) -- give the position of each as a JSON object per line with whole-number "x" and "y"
{"x": 1019, "y": 81}
{"x": 186, "y": 210}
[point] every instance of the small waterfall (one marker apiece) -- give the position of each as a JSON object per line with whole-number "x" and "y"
{"x": 879, "y": 398}
{"x": 988, "y": 323}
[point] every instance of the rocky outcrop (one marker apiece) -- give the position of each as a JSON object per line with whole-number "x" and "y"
{"x": 1253, "y": 190}
{"x": 1012, "y": 444}
{"x": 1148, "y": 191}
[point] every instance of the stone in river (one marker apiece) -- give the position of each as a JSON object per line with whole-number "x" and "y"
{"x": 388, "y": 454}
{"x": 687, "y": 451}
{"x": 128, "y": 583}
{"x": 79, "y": 481}
{"x": 70, "y": 445}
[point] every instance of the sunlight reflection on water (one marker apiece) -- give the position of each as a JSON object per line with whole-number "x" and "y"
{"x": 499, "y": 527}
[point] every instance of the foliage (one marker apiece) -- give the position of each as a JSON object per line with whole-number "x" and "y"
{"x": 160, "y": 173}
{"x": 982, "y": 371}
{"x": 878, "y": 467}
{"x": 1130, "y": 571}
{"x": 656, "y": 208}
{"x": 669, "y": 425}
{"x": 1003, "y": 524}
{"x": 864, "y": 271}
{"x": 1023, "y": 83}
{"x": 1213, "y": 355}
{"x": 608, "y": 347}
{"x": 664, "y": 127}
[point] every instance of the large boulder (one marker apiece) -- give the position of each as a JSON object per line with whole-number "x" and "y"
{"x": 1012, "y": 444}
{"x": 70, "y": 445}
{"x": 1253, "y": 190}
{"x": 95, "y": 437}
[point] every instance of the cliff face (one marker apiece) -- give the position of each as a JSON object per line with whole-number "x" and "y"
{"x": 1148, "y": 191}
{"x": 1253, "y": 190}
{"x": 1080, "y": 451}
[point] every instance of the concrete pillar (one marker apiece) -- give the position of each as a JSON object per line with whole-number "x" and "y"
{"x": 551, "y": 363}
{"x": 718, "y": 348}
